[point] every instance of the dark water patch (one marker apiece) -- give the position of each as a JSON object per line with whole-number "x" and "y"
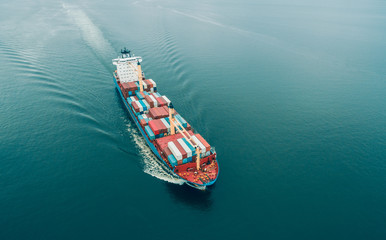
{"x": 192, "y": 198}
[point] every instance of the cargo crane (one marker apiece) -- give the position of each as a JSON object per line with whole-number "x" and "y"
{"x": 176, "y": 125}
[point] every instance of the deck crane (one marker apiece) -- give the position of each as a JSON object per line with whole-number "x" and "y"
{"x": 176, "y": 125}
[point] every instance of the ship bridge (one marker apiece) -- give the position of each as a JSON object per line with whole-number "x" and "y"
{"x": 127, "y": 66}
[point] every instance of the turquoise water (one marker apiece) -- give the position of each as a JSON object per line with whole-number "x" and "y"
{"x": 291, "y": 94}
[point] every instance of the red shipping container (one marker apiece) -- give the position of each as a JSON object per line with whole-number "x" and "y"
{"x": 153, "y": 112}
{"x": 163, "y": 142}
{"x": 157, "y": 126}
{"x": 153, "y": 126}
{"x": 132, "y": 86}
{"x": 135, "y": 106}
{"x": 161, "y": 101}
{"x": 181, "y": 149}
{"x": 202, "y": 140}
{"x": 125, "y": 87}
{"x": 167, "y": 152}
{"x": 149, "y": 83}
{"x": 143, "y": 122}
{"x": 162, "y": 126}
{"x": 158, "y": 112}
{"x": 148, "y": 99}
{"x": 166, "y": 109}
{"x": 146, "y": 83}
{"x": 164, "y": 113}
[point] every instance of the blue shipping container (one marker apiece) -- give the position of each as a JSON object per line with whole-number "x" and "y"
{"x": 172, "y": 160}
{"x": 139, "y": 95}
{"x": 190, "y": 147}
{"x": 181, "y": 120}
{"x": 149, "y": 132}
{"x": 159, "y": 135}
{"x": 143, "y": 105}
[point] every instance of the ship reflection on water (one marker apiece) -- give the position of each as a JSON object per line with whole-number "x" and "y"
{"x": 192, "y": 197}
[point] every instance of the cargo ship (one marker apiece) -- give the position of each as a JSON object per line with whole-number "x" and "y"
{"x": 170, "y": 137}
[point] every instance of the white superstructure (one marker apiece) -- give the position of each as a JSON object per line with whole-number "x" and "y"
{"x": 127, "y": 67}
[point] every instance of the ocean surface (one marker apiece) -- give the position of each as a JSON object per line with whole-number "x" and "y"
{"x": 291, "y": 93}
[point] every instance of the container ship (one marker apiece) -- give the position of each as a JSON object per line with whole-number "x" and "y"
{"x": 170, "y": 137}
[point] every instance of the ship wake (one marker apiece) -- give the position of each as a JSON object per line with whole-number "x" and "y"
{"x": 91, "y": 34}
{"x": 151, "y": 165}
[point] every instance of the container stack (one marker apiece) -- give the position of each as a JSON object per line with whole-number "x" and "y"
{"x": 158, "y": 127}
{"x": 140, "y": 106}
{"x": 149, "y": 85}
{"x": 144, "y": 119}
{"x": 151, "y": 100}
{"x": 169, "y": 155}
{"x": 130, "y": 99}
{"x": 161, "y": 143}
{"x": 182, "y": 150}
{"x": 161, "y": 102}
{"x": 140, "y": 95}
{"x": 202, "y": 144}
{"x": 152, "y": 112}
{"x": 128, "y": 89}
{"x": 158, "y": 112}
{"x": 149, "y": 133}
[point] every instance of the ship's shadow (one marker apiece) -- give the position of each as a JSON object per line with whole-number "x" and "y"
{"x": 195, "y": 198}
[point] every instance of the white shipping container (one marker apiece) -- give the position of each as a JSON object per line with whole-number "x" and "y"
{"x": 185, "y": 147}
{"x": 154, "y": 100}
{"x": 167, "y": 100}
{"x": 154, "y": 84}
{"x": 176, "y": 153}
{"x": 139, "y": 105}
{"x": 200, "y": 145}
{"x": 144, "y": 85}
{"x": 165, "y": 123}
{"x": 144, "y": 116}
{"x": 132, "y": 99}
{"x": 147, "y": 104}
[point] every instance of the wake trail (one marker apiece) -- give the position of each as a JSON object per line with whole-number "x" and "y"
{"x": 151, "y": 164}
{"x": 91, "y": 34}
{"x": 102, "y": 48}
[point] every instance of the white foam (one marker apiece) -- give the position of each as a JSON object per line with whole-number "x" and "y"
{"x": 152, "y": 165}
{"x": 91, "y": 34}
